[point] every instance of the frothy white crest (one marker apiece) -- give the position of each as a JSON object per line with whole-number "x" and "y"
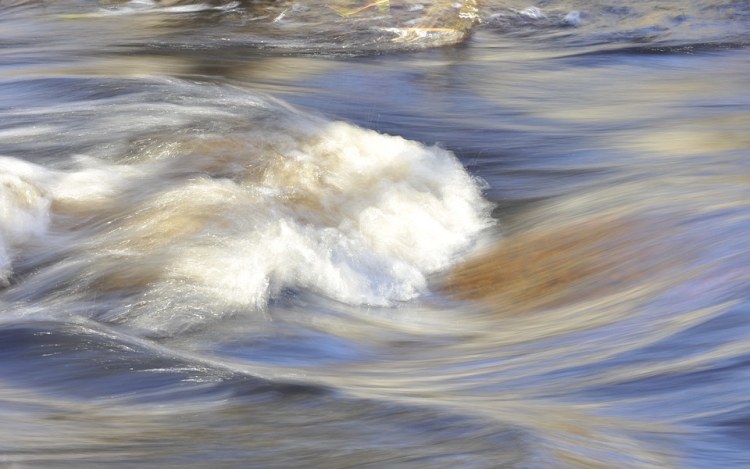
{"x": 24, "y": 208}
{"x": 355, "y": 215}
{"x": 232, "y": 220}
{"x": 93, "y": 187}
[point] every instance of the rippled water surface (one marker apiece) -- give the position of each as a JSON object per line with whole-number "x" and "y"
{"x": 474, "y": 234}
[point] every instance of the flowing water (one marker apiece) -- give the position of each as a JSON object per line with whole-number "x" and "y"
{"x": 267, "y": 234}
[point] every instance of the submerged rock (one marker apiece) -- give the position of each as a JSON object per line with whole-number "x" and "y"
{"x": 555, "y": 266}
{"x": 317, "y": 25}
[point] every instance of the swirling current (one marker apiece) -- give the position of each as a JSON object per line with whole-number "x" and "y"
{"x": 389, "y": 234}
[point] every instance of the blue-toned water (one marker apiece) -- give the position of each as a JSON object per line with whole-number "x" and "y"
{"x": 268, "y": 234}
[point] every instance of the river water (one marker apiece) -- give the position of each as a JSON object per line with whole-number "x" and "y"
{"x": 264, "y": 234}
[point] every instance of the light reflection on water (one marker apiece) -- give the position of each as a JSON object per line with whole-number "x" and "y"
{"x": 174, "y": 250}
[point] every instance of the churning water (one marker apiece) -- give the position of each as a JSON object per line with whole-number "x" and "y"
{"x": 474, "y": 234}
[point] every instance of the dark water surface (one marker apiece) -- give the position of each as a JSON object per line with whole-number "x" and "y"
{"x": 416, "y": 235}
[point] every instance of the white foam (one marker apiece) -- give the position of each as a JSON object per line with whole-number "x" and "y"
{"x": 24, "y": 208}
{"x": 573, "y": 18}
{"x": 355, "y": 215}
{"x": 533, "y": 13}
{"x": 232, "y": 220}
